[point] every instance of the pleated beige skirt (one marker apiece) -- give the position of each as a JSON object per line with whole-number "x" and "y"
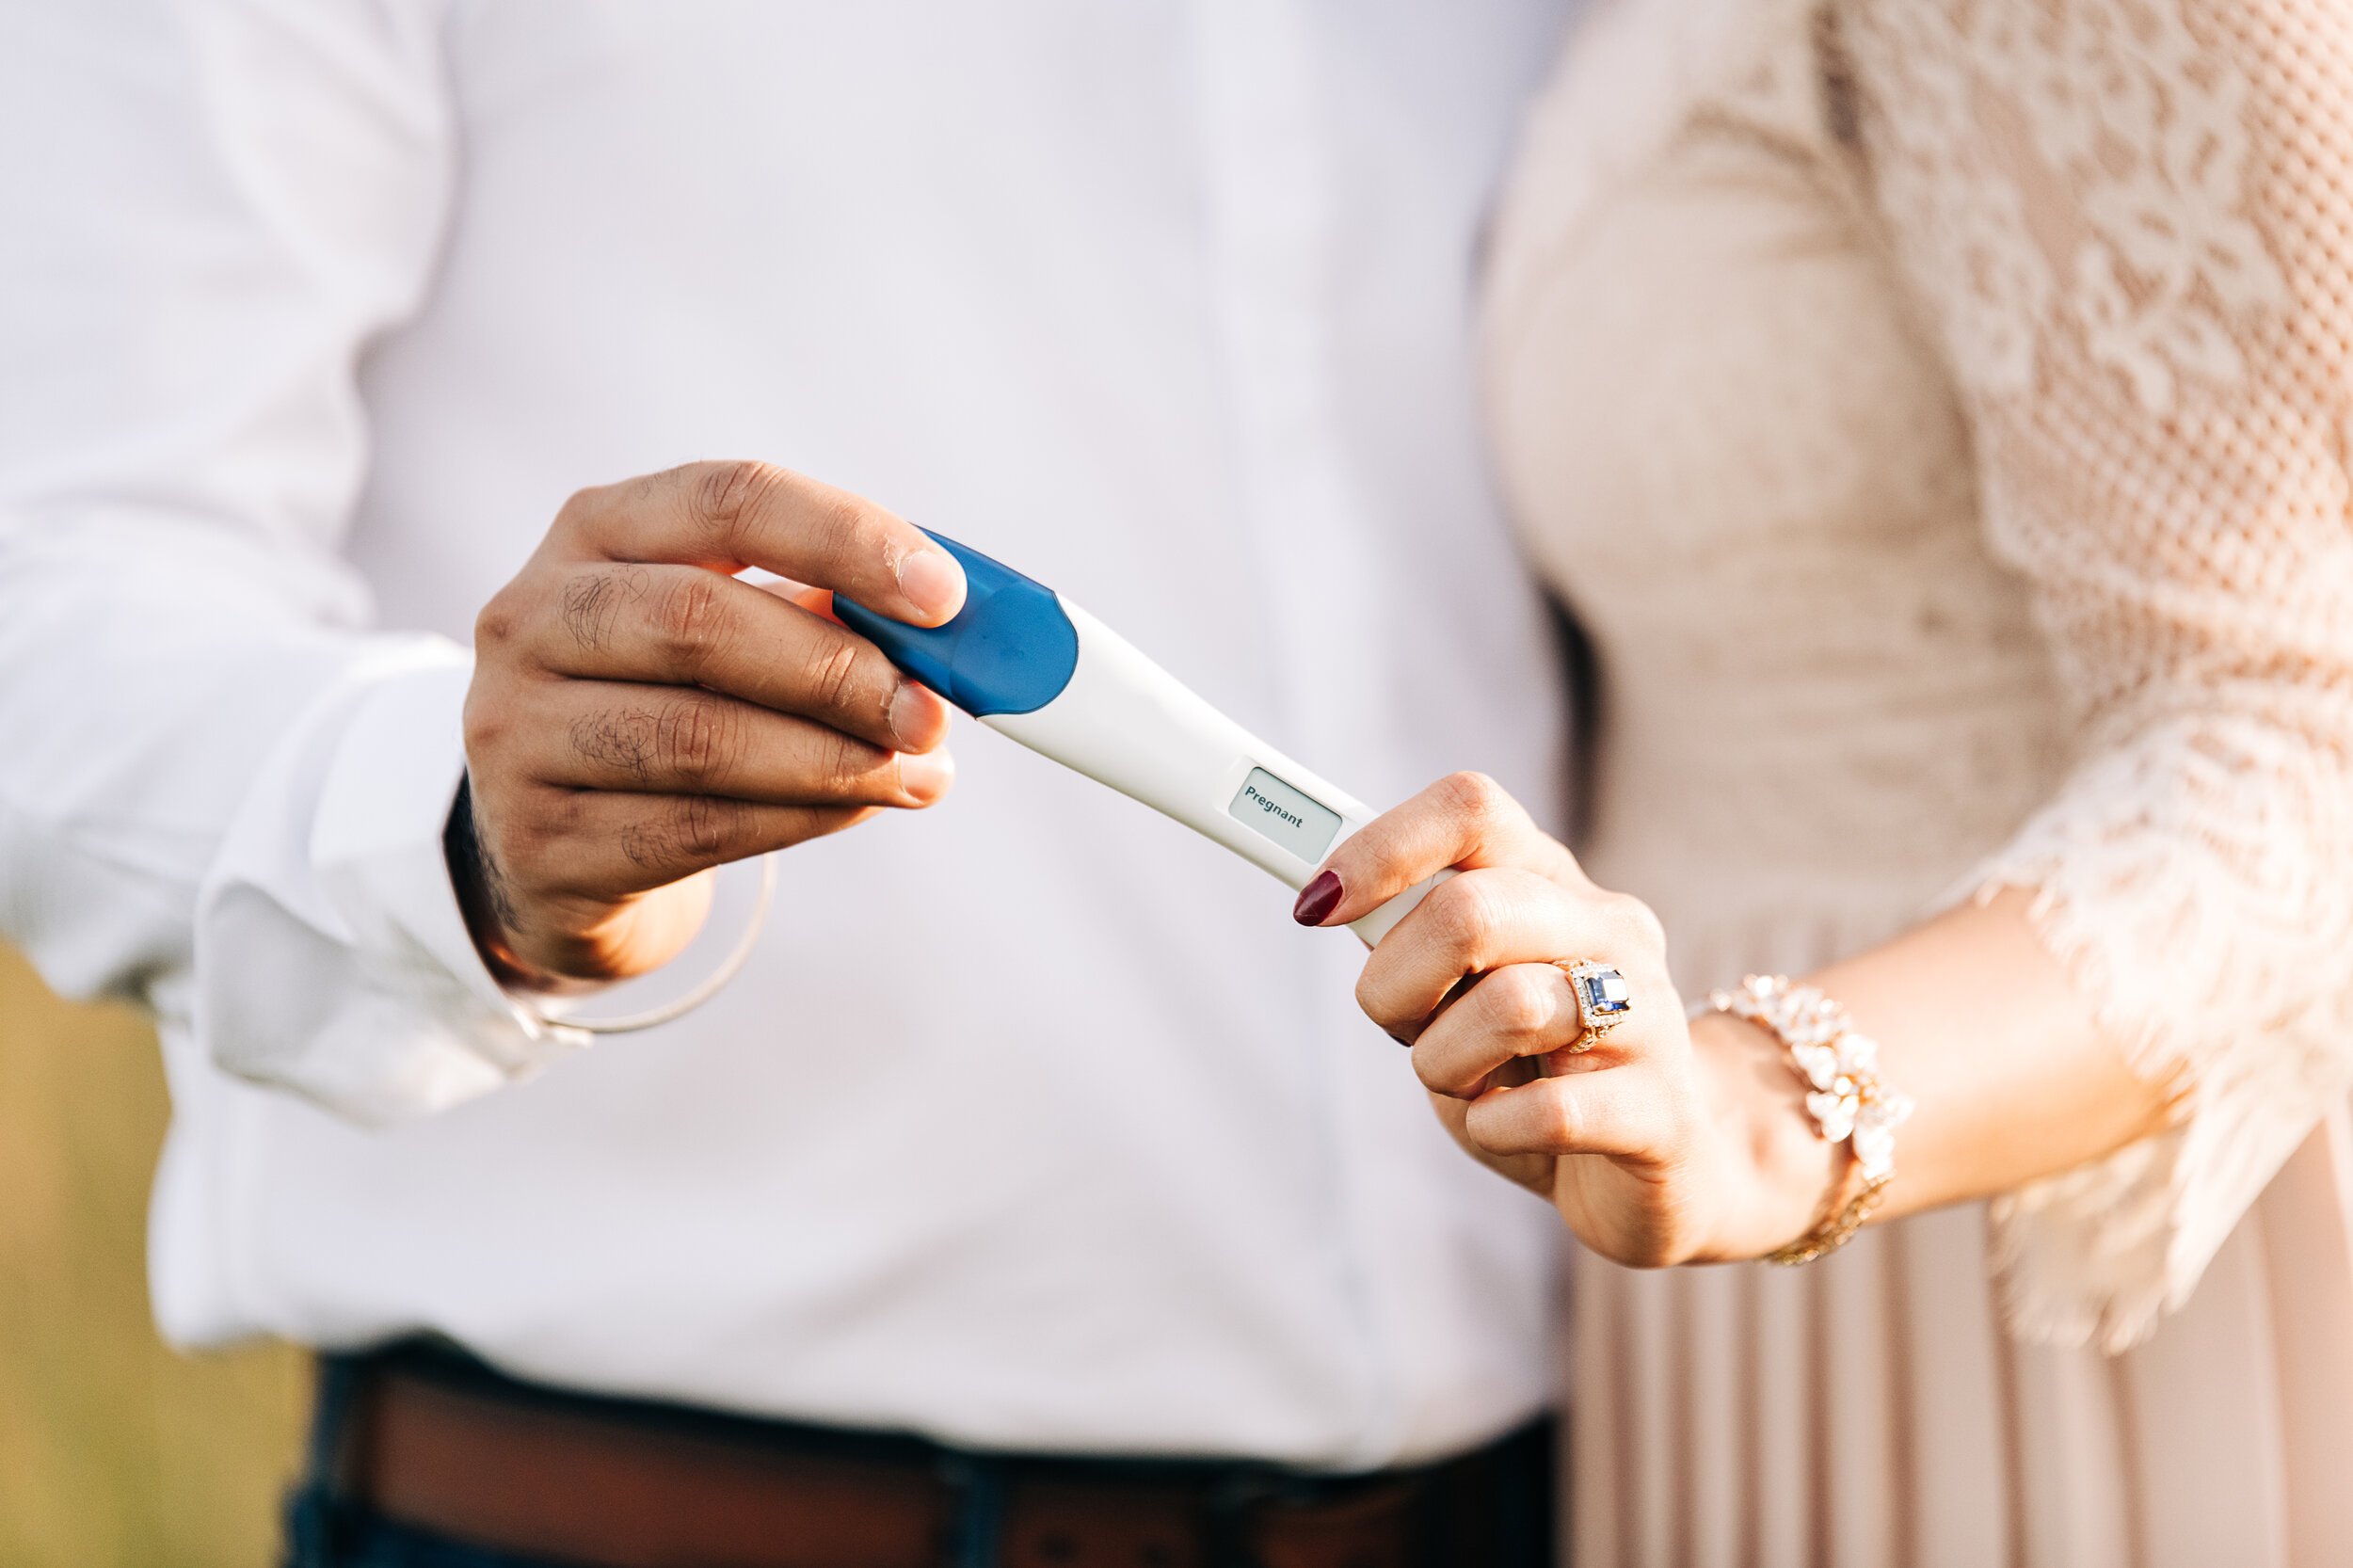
{"x": 1870, "y": 1410}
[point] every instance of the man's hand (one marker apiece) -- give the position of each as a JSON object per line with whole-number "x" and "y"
{"x": 640, "y": 717}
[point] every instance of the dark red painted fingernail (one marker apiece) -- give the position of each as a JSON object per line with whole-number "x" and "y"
{"x": 1317, "y": 900}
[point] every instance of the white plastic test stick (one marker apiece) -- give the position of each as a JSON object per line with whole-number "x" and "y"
{"x": 1030, "y": 664}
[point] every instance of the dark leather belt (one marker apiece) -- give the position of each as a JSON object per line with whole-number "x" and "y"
{"x": 429, "y": 1441}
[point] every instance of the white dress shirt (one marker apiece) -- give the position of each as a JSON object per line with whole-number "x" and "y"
{"x": 1035, "y": 1122}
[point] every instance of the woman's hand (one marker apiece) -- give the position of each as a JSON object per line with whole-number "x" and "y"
{"x": 1667, "y": 1142}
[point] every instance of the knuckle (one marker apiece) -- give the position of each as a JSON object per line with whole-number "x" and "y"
{"x": 844, "y": 763}
{"x": 843, "y": 524}
{"x": 556, "y": 819}
{"x": 729, "y": 494}
{"x": 620, "y": 739}
{"x": 524, "y": 837}
{"x": 1463, "y": 915}
{"x": 689, "y": 619}
{"x": 832, "y": 674}
{"x": 1522, "y": 1003}
{"x": 577, "y": 506}
{"x": 498, "y": 623}
{"x": 1635, "y": 922}
{"x": 1562, "y": 1124}
{"x": 1427, "y": 1070}
{"x": 485, "y": 739}
{"x": 1383, "y": 1009}
{"x": 650, "y": 844}
{"x": 685, "y": 831}
{"x": 482, "y": 726}
{"x": 1474, "y": 795}
{"x": 698, "y": 740}
{"x": 527, "y": 842}
{"x": 592, "y": 600}
{"x": 702, "y": 827}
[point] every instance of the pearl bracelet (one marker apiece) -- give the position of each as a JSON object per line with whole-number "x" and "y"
{"x": 1844, "y": 1094}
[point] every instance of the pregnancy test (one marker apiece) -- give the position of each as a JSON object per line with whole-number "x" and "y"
{"x": 1029, "y": 665}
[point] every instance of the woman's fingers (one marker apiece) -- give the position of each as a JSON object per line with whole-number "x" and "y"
{"x": 1521, "y": 1010}
{"x": 1534, "y": 1171}
{"x": 1484, "y": 919}
{"x": 1465, "y": 820}
{"x": 1627, "y": 1112}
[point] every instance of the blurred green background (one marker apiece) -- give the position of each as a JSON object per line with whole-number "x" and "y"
{"x": 114, "y": 1451}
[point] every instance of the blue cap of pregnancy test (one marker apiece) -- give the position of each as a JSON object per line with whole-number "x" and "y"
{"x": 1011, "y": 649}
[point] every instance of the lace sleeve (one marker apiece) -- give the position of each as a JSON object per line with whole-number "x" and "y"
{"x": 2130, "y": 225}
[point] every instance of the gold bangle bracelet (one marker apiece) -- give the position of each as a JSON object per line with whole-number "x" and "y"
{"x": 1852, "y": 1199}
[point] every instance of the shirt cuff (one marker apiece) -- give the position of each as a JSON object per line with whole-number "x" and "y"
{"x": 333, "y": 958}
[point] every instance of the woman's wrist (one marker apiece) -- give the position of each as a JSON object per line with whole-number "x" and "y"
{"x": 1776, "y": 1167}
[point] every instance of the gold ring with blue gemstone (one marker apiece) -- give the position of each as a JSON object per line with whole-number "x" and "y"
{"x": 1603, "y": 999}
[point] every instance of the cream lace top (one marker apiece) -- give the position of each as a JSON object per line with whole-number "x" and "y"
{"x": 2118, "y": 234}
